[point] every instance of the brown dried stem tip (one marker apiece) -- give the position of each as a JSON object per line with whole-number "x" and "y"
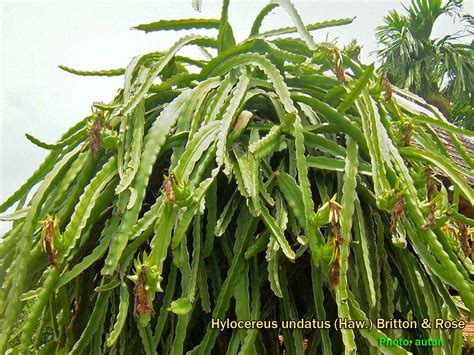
{"x": 142, "y": 303}
{"x": 95, "y": 134}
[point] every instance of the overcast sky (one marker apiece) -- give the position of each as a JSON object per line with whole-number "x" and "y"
{"x": 40, "y": 99}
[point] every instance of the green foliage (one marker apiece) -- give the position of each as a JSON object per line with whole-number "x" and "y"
{"x": 276, "y": 182}
{"x": 438, "y": 69}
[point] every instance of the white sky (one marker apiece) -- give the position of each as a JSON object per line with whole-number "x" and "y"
{"x": 40, "y": 99}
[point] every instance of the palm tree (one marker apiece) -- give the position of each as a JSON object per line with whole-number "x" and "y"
{"x": 438, "y": 69}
